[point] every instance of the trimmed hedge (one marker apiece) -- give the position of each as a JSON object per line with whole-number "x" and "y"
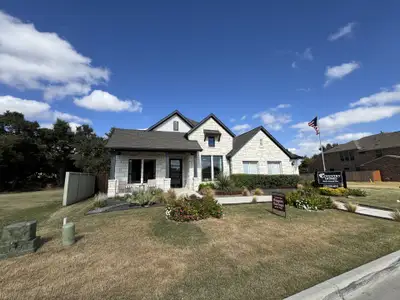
{"x": 265, "y": 181}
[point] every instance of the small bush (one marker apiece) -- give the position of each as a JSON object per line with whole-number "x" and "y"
{"x": 192, "y": 209}
{"x": 350, "y": 207}
{"x": 205, "y": 185}
{"x": 396, "y": 215}
{"x": 142, "y": 198}
{"x": 100, "y": 200}
{"x": 327, "y": 191}
{"x": 207, "y": 191}
{"x": 224, "y": 183}
{"x": 309, "y": 199}
{"x": 292, "y": 197}
{"x": 253, "y": 181}
{"x": 258, "y": 192}
{"x": 357, "y": 192}
{"x": 245, "y": 192}
{"x": 254, "y": 200}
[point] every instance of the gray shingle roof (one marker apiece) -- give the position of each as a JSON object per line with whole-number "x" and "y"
{"x": 130, "y": 139}
{"x": 243, "y": 139}
{"x": 372, "y": 142}
{"x": 382, "y": 157}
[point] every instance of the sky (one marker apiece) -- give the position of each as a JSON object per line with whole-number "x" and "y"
{"x": 278, "y": 64}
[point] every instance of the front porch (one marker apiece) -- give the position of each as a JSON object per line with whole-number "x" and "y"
{"x": 133, "y": 171}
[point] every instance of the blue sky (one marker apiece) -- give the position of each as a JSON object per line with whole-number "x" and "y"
{"x": 271, "y": 63}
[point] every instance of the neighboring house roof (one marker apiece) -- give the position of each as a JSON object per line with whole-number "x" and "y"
{"x": 373, "y": 142}
{"x": 130, "y": 139}
{"x": 188, "y": 121}
{"x": 216, "y": 120}
{"x": 379, "y": 158}
{"x": 243, "y": 139}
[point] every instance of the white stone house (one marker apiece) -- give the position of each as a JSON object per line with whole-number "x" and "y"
{"x": 178, "y": 152}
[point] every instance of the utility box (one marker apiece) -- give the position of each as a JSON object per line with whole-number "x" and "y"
{"x": 18, "y": 239}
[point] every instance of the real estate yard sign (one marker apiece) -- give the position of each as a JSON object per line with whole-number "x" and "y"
{"x": 330, "y": 179}
{"x": 279, "y": 202}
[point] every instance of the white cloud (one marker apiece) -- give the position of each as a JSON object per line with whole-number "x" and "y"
{"x": 338, "y": 72}
{"x": 342, "y": 32}
{"x": 103, "y": 101}
{"x": 281, "y": 106}
{"x": 310, "y": 146}
{"x": 35, "y": 110}
{"x": 243, "y": 118}
{"x": 47, "y": 125}
{"x": 343, "y": 119}
{"x": 293, "y": 150}
{"x": 306, "y": 90}
{"x": 241, "y": 128}
{"x": 30, "y": 59}
{"x": 232, "y": 120}
{"x": 272, "y": 121}
{"x": 381, "y": 98}
{"x": 294, "y": 65}
{"x": 306, "y": 55}
{"x": 74, "y": 126}
{"x": 352, "y": 136}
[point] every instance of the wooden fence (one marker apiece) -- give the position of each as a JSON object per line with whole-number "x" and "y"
{"x": 102, "y": 183}
{"x": 364, "y": 176}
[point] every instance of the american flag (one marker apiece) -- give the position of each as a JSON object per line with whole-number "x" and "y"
{"x": 314, "y": 124}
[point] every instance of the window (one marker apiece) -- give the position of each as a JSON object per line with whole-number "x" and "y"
{"x": 274, "y": 168}
{"x": 217, "y": 165}
{"x": 351, "y": 155}
{"x": 347, "y": 169}
{"x": 211, "y": 141}
{"x": 206, "y": 167}
{"x": 250, "y": 167}
{"x": 176, "y": 126}
{"x": 378, "y": 153}
{"x": 261, "y": 142}
{"x": 134, "y": 170}
{"x": 358, "y": 169}
{"x": 149, "y": 169}
{"x": 346, "y": 155}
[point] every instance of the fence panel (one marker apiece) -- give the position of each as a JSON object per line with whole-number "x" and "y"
{"x": 102, "y": 183}
{"x": 78, "y": 187}
{"x": 363, "y": 175}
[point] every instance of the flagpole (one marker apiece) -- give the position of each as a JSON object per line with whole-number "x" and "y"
{"x": 322, "y": 149}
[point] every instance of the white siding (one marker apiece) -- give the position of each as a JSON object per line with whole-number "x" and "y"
{"x": 268, "y": 151}
{"x": 168, "y": 125}
{"x": 222, "y": 147}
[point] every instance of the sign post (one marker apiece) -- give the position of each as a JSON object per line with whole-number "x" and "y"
{"x": 279, "y": 202}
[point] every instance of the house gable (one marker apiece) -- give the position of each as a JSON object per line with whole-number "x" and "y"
{"x": 262, "y": 149}
{"x": 167, "y": 123}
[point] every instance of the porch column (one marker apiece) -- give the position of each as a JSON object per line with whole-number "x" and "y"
{"x": 195, "y": 164}
{"x": 166, "y": 165}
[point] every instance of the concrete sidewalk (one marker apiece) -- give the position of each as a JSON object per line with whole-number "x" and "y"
{"x": 368, "y": 211}
{"x": 242, "y": 199}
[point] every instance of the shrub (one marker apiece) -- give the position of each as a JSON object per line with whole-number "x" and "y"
{"x": 100, "y": 200}
{"x": 205, "y": 185}
{"x": 245, "y": 192}
{"x": 233, "y": 191}
{"x": 224, "y": 183}
{"x": 258, "y": 192}
{"x": 350, "y": 207}
{"x": 207, "y": 191}
{"x": 142, "y": 198}
{"x": 327, "y": 191}
{"x": 309, "y": 199}
{"x": 357, "y": 192}
{"x": 253, "y": 181}
{"x": 396, "y": 215}
{"x": 158, "y": 194}
{"x": 254, "y": 200}
{"x": 193, "y": 208}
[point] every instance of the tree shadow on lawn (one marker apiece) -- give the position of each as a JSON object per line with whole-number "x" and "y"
{"x": 178, "y": 234}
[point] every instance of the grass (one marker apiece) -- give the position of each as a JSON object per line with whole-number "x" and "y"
{"x": 350, "y": 207}
{"x": 386, "y": 198}
{"x": 376, "y": 185}
{"x": 138, "y": 254}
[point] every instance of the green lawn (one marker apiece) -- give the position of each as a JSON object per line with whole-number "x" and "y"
{"x": 138, "y": 254}
{"x": 386, "y": 198}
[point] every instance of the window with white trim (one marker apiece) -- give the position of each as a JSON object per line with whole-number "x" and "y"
{"x": 176, "y": 126}
{"x": 211, "y": 167}
{"x": 274, "y": 168}
{"x": 250, "y": 167}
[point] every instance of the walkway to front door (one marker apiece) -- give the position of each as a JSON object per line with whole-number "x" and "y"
{"x": 175, "y": 172}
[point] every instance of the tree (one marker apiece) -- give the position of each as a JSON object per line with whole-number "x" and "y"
{"x": 304, "y": 166}
{"x": 90, "y": 154}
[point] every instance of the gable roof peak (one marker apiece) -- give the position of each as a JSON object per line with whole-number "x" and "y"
{"x": 216, "y": 119}
{"x": 188, "y": 121}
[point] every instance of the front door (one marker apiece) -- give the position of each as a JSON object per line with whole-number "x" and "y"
{"x": 175, "y": 172}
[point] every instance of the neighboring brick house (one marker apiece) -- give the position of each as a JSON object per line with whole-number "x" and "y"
{"x": 388, "y": 165}
{"x": 358, "y": 155}
{"x": 179, "y": 152}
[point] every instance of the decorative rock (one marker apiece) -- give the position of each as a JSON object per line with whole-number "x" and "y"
{"x": 16, "y": 248}
{"x": 68, "y": 234}
{"x": 23, "y": 231}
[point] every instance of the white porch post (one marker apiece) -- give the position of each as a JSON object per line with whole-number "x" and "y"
{"x": 141, "y": 170}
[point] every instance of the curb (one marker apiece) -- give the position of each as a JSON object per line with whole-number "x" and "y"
{"x": 353, "y": 281}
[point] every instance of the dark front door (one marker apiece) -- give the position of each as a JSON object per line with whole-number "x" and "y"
{"x": 175, "y": 172}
